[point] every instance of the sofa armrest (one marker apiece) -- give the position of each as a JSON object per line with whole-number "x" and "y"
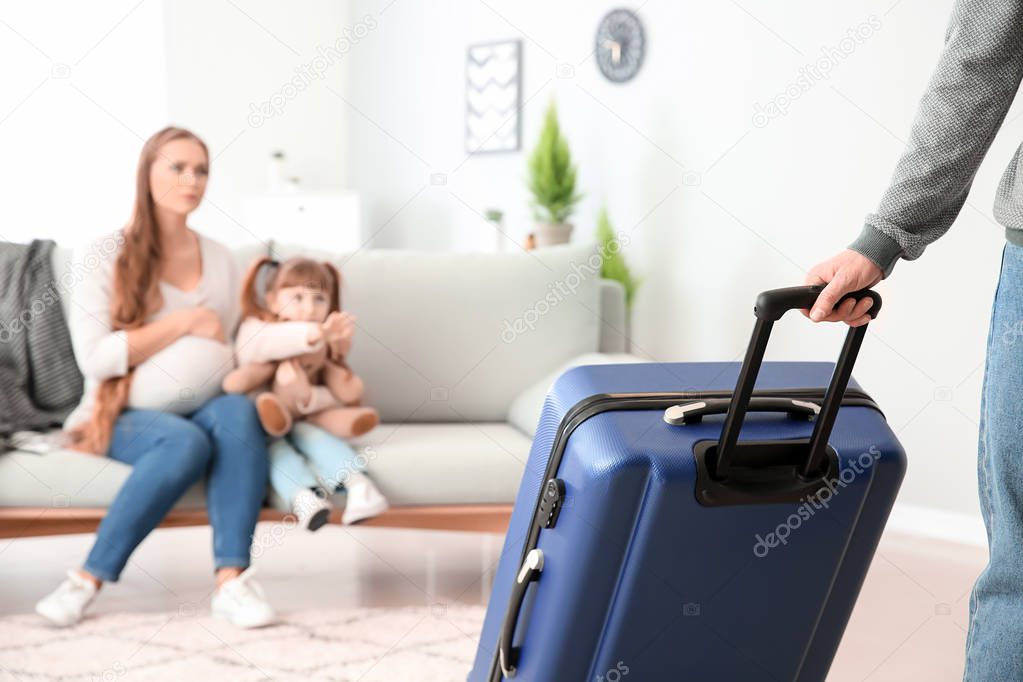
{"x": 613, "y": 317}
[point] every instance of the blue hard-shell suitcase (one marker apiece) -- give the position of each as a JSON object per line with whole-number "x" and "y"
{"x": 648, "y": 542}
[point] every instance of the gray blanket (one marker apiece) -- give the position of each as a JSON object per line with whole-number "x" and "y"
{"x": 39, "y": 379}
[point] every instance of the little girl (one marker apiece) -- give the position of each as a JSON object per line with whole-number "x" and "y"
{"x": 297, "y": 342}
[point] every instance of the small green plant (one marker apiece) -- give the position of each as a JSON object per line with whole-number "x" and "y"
{"x": 613, "y": 263}
{"x": 551, "y": 173}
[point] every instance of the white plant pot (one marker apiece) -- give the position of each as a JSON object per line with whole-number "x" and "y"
{"x": 498, "y": 236}
{"x": 551, "y": 234}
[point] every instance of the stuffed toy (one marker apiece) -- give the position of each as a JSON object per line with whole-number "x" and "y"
{"x": 291, "y": 349}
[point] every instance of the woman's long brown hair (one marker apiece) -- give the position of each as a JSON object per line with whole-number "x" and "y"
{"x": 136, "y": 290}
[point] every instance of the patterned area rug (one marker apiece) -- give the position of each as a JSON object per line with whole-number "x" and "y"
{"x": 413, "y": 644}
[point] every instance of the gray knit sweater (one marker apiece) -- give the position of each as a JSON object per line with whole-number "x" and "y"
{"x": 965, "y": 104}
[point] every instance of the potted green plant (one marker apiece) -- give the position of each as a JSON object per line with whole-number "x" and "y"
{"x": 495, "y": 217}
{"x": 552, "y": 183}
{"x": 613, "y": 265}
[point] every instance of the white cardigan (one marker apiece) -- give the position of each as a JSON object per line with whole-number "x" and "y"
{"x": 182, "y": 376}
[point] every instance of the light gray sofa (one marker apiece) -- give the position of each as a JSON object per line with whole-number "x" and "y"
{"x": 456, "y": 350}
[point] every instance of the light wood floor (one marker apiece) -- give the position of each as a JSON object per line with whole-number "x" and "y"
{"x": 910, "y": 622}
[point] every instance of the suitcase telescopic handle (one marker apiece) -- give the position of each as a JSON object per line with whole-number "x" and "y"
{"x": 774, "y": 303}
{"x": 769, "y": 308}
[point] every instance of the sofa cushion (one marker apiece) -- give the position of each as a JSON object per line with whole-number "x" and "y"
{"x": 524, "y": 413}
{"x": 65, "y": 478}
{"x": 475, "y": 463}
{"x": 457, "y": 336}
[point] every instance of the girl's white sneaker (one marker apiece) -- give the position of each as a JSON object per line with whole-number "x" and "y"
{"x": 362, "y": 499}
{"x": 66, "y": 604}
{"x": 242, "y": 603}
{"x": 312, "y": 510}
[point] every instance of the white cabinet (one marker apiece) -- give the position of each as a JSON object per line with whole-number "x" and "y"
{"x": 319, "y": 220}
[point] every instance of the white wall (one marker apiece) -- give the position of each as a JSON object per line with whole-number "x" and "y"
{"x": 76, "y": 98}
{"x": 225, "y": 61}
{"x": 717, "y": 208}
{"x": 71, "y": 134}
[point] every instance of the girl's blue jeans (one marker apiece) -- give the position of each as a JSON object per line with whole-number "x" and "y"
{"x": 994, "y": 647}
{"x": 222, "y": 441}
{"x": 309, "y": 457}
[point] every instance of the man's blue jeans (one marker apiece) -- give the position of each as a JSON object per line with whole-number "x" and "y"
{"x": 222, "y": 440}
{"x": 994, "y": 648}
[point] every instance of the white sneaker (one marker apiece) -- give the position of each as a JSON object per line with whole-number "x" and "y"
{"x": 363, "y": 500}
{"x": 66, "y": 604}
{"x": 312, "y": 510}
{"x": 241, "y": 602}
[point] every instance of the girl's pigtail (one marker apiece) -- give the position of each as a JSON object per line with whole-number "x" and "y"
{"x": 251, "y": 303}
{"x": 335, "y": 288}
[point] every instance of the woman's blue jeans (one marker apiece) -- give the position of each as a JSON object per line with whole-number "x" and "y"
{"x": 994, "y": 648}
{"x": 223, "y": 441}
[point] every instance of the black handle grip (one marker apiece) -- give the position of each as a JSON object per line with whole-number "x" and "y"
{"x": 694, "y": 412}
{"x": 771, "y": 305}
{"x": 508, "y": 655}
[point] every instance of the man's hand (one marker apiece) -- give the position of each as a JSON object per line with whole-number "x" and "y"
{"x": 846, "y": 272}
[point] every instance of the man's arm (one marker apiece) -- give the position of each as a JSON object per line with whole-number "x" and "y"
{"x": 965, "y": 104}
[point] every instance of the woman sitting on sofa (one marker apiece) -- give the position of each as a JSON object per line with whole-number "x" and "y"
{"x": 150, "y": 321}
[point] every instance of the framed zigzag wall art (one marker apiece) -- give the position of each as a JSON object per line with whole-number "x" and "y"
{"x": 493, "y": 92}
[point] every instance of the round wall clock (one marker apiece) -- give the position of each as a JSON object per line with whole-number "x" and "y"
{"x": 620, "y": 45}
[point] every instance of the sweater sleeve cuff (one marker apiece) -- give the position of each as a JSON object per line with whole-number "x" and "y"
{"x": 881, "y": 249}
{"x": 109, "y": 357}
{"x": 259, "y": 341}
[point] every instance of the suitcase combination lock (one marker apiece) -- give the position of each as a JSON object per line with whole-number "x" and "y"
{"x": 550, "y": 502}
